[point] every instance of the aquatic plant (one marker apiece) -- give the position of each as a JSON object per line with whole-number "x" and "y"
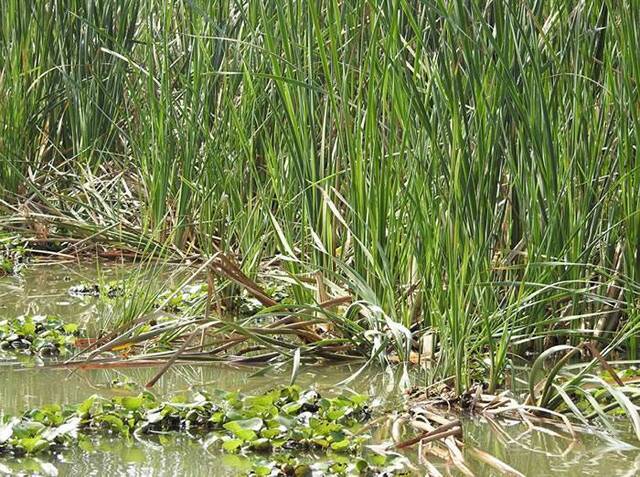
{"x": 109, "y": 290}
{"x": 45, "y": 336}
{"x": 183, "y": 298}
{"x": 12, "y": 254}
{"x": 284, "y": 422}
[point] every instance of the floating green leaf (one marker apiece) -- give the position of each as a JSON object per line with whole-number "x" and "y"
{"x": 232, "y": 445}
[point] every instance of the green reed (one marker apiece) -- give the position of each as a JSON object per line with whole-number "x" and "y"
{"x": 469, "y": 168}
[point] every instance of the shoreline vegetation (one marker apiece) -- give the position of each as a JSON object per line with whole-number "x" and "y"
{"x": 443, "y": 188}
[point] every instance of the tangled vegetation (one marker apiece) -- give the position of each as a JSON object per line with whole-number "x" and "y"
{"x": 467, "y": 175}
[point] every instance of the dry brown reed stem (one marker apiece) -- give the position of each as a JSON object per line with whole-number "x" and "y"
{"x": 445, "y": 430}
{"x": 494, "y": 462}
{"x": 225, "y": 267}
{"x": 605, "y": 364}
{"x": 615, "y": 291}
{"x": 172, "y": 360}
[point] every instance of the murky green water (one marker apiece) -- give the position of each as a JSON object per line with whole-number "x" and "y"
{"x": 43, "y": 290}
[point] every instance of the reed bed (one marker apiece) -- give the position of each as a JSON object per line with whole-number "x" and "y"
{"x": 466, "y": 172}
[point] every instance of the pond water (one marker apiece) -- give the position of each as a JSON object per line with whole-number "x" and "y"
{"x": 44, "y": 290}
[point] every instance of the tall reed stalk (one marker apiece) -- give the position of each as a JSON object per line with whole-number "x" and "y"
{"x": 469, "y": 168}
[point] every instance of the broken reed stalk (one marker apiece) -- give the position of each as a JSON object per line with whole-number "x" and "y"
{"x": 172, "y": 360}
{"x": 494, "y": 462}
{"x": 605, "y": 364}
{"x": 451, "y": 429}
{"x": 225, "y": 267}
